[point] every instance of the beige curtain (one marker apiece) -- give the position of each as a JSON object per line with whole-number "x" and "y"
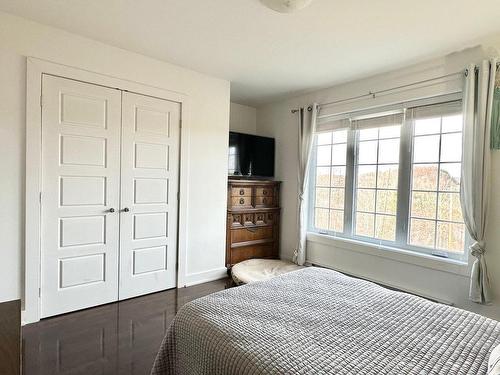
{"x": 307, "y": 128}
{"x": 477, "y": 102}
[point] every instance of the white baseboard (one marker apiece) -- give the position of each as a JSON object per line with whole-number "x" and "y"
{"x": 204, "y": 277}
{"x": 24, "y": 321}
{"x": 382, "y": 283}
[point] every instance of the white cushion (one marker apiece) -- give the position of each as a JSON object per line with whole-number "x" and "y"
{"x": 494, "y": 361}
{"x": 252, "y": 270}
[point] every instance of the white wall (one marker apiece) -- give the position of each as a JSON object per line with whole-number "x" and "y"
{"x": 209, "y": 123}
{"x": 243, "y": 119}
{"x": 12, "y": 151}
{"x": 276, "y": 120}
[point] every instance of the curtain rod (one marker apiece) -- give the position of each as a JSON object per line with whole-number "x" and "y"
{"x": 295, "y": 110}
{"x": 374, "y": 93}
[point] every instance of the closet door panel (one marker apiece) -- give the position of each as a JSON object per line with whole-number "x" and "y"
{"x": 80, "y": 184}
{"x": 148, "y": 220}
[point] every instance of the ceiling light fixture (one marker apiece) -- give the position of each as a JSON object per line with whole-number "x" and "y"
{"x": 286, "y": 6}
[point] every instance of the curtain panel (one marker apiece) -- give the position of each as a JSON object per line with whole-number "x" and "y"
{"x": 474, "y": 197}
{"x": 495, "y": 114}
{"x": 306, "y": 131}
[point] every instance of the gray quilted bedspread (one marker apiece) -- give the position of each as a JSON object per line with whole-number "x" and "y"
{"x": 318, "y": 321}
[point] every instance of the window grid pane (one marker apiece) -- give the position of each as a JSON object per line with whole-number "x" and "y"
{"x": 377, "y": 171}
{"x": 436, "y": 220}
{"x": 367, "y": 199}
{"x": 329, "y": 185}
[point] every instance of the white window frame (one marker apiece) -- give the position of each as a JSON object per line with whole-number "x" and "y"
{"x": 404, "y": 187}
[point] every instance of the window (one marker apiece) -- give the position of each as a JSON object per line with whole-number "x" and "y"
{"x": 376, "y": 166}
{"x": 392, "y": 178}
{"x": 330, "y": 180}
{"x": 435, "y": 212}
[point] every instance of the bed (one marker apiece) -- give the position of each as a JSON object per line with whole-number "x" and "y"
{"x": 318, "y": 321}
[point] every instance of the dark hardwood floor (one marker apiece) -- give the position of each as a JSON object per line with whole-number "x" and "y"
{"x": 10, "y": 337}
{"x": 119, "y": 338}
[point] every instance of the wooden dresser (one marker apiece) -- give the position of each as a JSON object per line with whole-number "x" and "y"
{"x": 253, "y": 220}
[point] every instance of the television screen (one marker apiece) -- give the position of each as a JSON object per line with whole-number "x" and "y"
{"x": 250, "y": 155}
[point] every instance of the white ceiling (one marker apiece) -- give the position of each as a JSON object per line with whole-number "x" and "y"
{"x": 268, "y": 55}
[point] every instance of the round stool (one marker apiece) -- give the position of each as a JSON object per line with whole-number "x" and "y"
{"x": 253, "y": 270}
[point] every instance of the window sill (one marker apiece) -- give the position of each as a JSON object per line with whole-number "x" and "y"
{"x": 399, "y": 255}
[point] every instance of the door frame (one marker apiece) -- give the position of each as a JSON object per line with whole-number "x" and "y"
{"x": 35, "y": 69}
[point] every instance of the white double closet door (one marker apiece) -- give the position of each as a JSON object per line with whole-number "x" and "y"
{"x": 110, "y": 162}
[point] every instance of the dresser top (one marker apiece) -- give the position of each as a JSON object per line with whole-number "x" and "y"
{"x": 252, "y": 182}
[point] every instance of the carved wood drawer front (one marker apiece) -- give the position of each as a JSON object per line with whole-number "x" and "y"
{"x": 260, "y": 218}
{"x": 252, "y": 234}
{"x": 248, "y": 219}
{"x": 264, "y": 201}
{"x": 236, "y": 221}
{"x": 241, "y": 202}
{"x": 241, "y": 191}
{"x": 264, "y": 191}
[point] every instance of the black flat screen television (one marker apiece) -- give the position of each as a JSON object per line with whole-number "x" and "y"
{"x": 250, "y": 156}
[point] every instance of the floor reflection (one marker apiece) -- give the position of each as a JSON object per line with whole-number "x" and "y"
{"x": 119, "y": 338}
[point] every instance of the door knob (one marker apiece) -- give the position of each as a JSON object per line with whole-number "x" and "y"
{"x": 126, "y": 209}
{"x": 111, "y": 210}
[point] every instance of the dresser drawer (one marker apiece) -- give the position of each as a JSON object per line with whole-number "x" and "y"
{"x": 251, "y": 234}
{"x": 236, "y": 220}
{"x": 260, "y": 218}
{"x": 248, "y": 219}
{"x": 244, "y": 219}
{"x": 241, "y": 202}
{"x": 264, "y": 191}
{"x": 253, "y": 251}
{"x": 241, "y": 191}
{"x": 261, "y": 201}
